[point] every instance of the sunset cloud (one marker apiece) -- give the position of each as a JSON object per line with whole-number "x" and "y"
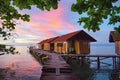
{"x": 46, "y": 24}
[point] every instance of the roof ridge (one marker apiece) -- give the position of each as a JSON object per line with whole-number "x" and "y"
{"x": 71, "y": 32}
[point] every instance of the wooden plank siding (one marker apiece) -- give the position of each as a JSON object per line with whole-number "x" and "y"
{"x": 116, "y": 39}
{"x": 46, "y": 46}
{"x": 117, "y": 47}
{"x": 78, "y": 48}
{"x": 84, "y": 47}
{"x": 39, "y": 46}
{"x": 61, "y": 49}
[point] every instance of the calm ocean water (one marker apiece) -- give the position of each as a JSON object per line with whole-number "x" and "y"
{"x": 19, "y": 66}
{"x": 24, "y": 67}
{"x": 102, "y": 49}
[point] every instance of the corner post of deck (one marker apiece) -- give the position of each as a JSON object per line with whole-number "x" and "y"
{"x": 113, "y": 62}
{"x": 98, "y": 62}
{"x": 82, "y": 60}
{"x": 78, "y": 62}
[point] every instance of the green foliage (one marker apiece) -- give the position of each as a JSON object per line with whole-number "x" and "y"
{"x": 117, "y": 29}
{"x": 8, "y": 17}
{"x": 96, "y": 11}
{"x": 9, "y": 14}
{"x": 41, "y": 4}
{"x": 2, "y": 47}
{"x": 11, "y": 49}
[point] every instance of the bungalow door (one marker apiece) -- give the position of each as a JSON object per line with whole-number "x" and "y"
{"x": 51, "y": 46}
{"x": 71, "y": 47}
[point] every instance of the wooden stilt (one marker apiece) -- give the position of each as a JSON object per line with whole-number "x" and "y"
{"x": 78, "y": 60}
{"x": 98, "y": 62}
{"x": 113, "y": 62}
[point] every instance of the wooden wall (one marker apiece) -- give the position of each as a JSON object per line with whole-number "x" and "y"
{"x": 46, "y": 46}
{"x": 117, "y": 47}
{"x": 60, "y": 49}
{"x": 55, "y": 47}
{"x": 79, "y": 47}
{"x": 39, "y": 46}
{"x": 82, "y": 47}
{"x": 65, "y": 47}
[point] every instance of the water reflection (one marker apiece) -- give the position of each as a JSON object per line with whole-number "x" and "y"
{"x": 20, "y": 66}
{"x": 10, "y": 74}
{"x": 86, "y": 72}
{"x": 7, "y": 49}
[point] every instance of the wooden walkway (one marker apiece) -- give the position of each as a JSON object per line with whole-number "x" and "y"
{"x": 55, "y": 68}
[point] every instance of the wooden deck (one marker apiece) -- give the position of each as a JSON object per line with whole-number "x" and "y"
{"x": 55, "y": 68}
{"x": 99, "y": 58}
{"x": 91, "y": 55}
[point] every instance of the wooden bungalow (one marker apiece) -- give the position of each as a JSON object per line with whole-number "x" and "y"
{"x": 46, "y": 44}
{"x": 116, "y": 39}
{"x": 76, "y": 42}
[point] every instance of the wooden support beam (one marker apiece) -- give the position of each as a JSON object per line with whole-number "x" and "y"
{"x": 98, "y": 62}
{"x": 78, "y": 60}
{"x": 113, "y": 62}
{"x": 57, "y": 71}
{"x": 82, "y": 60}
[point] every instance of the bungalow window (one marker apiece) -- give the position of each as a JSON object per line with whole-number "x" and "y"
{"x": 60, "y": 44}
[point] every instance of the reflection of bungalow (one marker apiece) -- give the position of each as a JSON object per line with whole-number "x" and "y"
{"x": 115, "y": 38}
{"x": 46, "y": 44}
{"x": 76, "y": 42}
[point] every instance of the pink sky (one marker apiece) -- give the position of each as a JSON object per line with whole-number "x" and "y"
{"x": 47, "y": 24}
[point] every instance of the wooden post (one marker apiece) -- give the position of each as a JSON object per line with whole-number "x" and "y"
{"x": 98, "y": 62}
{"x": 57, "y": 71}
{"x": 67, "y": 60}
{"x": 78, "y": 59}
{"x": 82, "y": 60}
{"x": 113, "y": 62}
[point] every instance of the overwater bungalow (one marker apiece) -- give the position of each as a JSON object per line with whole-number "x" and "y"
{"x": 116, "y": 39}
{"x": 46, "y": 44}
{"x": 74, "y": 43}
